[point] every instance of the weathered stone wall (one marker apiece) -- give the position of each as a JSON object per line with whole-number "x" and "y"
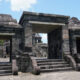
{"x": 55, "y": 44}
{"x": 10, "y": 29}
{"x": 13, "y": 38}
{"x": 19, "y": 47}
{"x": 65, "y": 40}
{"x": 74, "y": 32}
{"x": 73, "y": 35}
{"x": 27, "y": 46}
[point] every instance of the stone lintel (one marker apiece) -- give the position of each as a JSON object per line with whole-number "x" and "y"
{"x": 7, "y": 34}
{"x": 26, "y": 16}
{"x": 47, "y": 23}
{"x": 44, "y": 27}
{"x": 75, "y": 28}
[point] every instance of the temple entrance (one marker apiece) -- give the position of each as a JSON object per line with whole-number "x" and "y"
{"x": 78, "y": 44}
{"x": 54, "y": 34}
{"x": 5, "y": 49}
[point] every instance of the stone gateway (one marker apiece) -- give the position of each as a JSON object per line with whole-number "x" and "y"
{"x": 63, "y": 43}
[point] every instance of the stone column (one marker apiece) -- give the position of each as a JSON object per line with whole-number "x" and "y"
{"x": 10, "y": 50}
{"x": 65, "y": 38}
{"x": 28, "y": 38}
{"x": 25, "y": 58}
{"x": 39, "y": 40}
{"x": 33, "y": 39}
{"x": 13, "y": 41}
{"x": 14, "y": 62}
{"x": 74, "y": 48}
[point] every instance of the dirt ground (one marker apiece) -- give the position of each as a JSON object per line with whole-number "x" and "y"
{"x": 70, "y": 75}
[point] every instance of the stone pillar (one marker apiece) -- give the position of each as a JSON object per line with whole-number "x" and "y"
{"x": 74, "y": 46}
{"x": 39, "y": 40}
{"x": 33, "y": 39}
{"x": 28, "y": 38}
{"x": 13, "y": 41}
{"x": 65, "y": 38}
{"x": 14, "y": 62}
{"x": 25, "y": 58}
{"x": 14, "y": 48}
{"x": 10, "y": 50}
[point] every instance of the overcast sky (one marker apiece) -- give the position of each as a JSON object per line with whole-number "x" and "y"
{"x": 64, "y": 7}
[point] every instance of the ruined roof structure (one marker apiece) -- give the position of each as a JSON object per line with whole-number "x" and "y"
{"x": 7, "y": 21}
{"x": 74, "y": 23}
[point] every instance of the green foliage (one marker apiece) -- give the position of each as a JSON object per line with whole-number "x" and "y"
{"x": 1, "y": 42}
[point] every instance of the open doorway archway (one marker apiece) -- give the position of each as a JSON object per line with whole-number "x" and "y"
{"x": 5, "y": 48}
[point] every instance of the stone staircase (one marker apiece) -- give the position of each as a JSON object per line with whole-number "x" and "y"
{"x": 53, "y": 65}
{"x": 5, "y": 68}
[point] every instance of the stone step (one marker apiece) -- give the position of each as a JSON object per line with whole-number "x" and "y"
{"x": 57, "y": 69}
{"x": 40, "y": 58}
{"x": 50, "y": 63}
{"x": 5, "y": 67}
{"x": 53, "y": 66}
{"x": 5, "y": 64}
{"x": 5, "y": 71}
{"x": 27, "y": 54}
{"x": 49, "y": 60}
{"x": 5, "y": 74}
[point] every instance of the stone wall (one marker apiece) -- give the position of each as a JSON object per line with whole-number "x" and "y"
{"x": 74, "y": 32}
{"x": 27, "y": 46}
{"x": 73, "y": 35}
{"x": 65, "y": 40}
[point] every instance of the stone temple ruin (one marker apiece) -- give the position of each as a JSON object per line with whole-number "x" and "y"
{"x": 25, "y": 49}
{"x": 40, "y": 48}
